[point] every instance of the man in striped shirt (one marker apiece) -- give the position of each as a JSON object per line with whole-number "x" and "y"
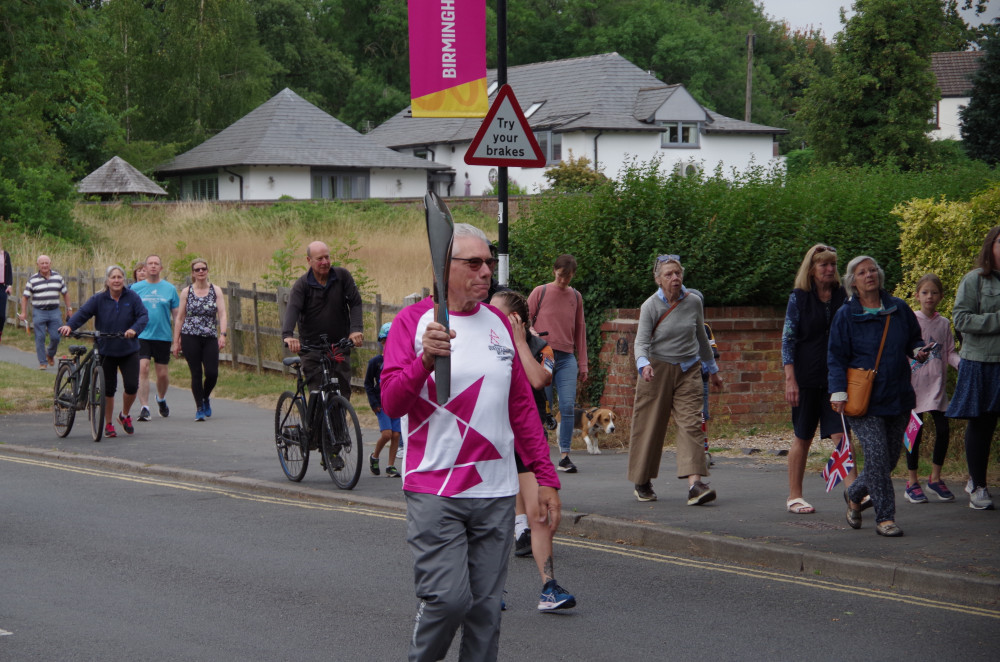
{"x": 44, "y": 289}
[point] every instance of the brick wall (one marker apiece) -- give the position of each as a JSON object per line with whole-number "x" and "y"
{"x": 749, "y": 342}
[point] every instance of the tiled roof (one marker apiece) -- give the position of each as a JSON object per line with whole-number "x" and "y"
{"x": 599, "y": 92}
{"x": 954, "y": 71}
{"x": 118, "y": 177}
{"x": 288, "y": 130}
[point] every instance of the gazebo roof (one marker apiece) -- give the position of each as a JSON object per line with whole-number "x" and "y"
{"x": 118, "y": 177}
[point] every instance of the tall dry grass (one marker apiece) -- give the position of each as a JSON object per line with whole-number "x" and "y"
{"x": 238, "y": 243}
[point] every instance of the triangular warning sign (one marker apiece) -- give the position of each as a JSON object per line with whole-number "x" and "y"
{"x": 505, "y": 139}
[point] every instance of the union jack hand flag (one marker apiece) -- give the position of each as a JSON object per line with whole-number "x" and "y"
{"x": 841, "y": 462}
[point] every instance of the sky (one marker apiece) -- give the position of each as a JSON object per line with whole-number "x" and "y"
{"x": 825, "y": 14}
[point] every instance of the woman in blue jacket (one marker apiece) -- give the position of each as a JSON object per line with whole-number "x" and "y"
{"x": 855, "y": 337}
{"x": 115, "y": 309}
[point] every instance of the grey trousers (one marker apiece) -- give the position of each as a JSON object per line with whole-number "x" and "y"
{"x": 460, "y": 551}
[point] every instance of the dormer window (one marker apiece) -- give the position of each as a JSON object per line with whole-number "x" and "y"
{"x": 680, "y": 134}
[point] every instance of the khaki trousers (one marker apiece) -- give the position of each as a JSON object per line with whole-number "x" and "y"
{"x": 670, "y": 392}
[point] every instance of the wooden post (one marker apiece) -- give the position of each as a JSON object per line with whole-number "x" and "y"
{"x": 80, "y": 296}
{"x": 235, "y": 320}
{"x": 378, "y": 315}
{"x": 282, "y": 296}
{"x": 256, "y": 330}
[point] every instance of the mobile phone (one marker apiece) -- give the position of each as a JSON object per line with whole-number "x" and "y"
{"x": 931, "y": 347}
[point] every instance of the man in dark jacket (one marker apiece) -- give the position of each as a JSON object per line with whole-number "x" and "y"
{"x": 324, "y": 300}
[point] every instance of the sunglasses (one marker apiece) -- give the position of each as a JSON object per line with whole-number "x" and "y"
{"x": 669, "y": 258}
{"x": 197, "y": 269}
{"x": 823, "y": 249}
{"x": 476, "y": 263}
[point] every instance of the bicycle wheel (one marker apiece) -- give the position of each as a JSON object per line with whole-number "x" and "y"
{"x": 64, "y": 405}
{"x": 341, "y": 445}
{"x": 95, "y": 401}
{"x": 290, "y": 436}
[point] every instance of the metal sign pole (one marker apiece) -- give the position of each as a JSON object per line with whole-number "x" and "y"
{"x": 502, "y": 208}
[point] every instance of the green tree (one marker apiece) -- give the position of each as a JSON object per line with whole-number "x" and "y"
{"x": 981, "y": 118}
{"x": 876, "y": 106}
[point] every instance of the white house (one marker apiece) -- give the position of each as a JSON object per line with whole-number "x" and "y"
{"x": 601, "y": 107}
{"x": 289, "y": 147}
{"x": 954, "y": 77}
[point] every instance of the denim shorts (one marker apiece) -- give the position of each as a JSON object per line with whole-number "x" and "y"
{"x": 386, "y": 423}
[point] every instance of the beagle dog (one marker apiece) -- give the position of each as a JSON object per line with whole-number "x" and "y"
{"x": 596, "y": 419}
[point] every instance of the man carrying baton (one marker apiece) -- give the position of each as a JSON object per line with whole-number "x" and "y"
{"x": 459, "y": 476}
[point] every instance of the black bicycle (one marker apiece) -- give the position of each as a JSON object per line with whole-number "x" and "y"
{"x": 80, "y": 384}
{"x": 325, "y": 421}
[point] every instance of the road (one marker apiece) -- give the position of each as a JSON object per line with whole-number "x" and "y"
{"x": 98, "y": 564}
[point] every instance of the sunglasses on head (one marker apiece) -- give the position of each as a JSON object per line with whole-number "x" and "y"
{"x": 475, "y": 263}
{"x": 669, "y": 258}
{"x": 823, "y": 249}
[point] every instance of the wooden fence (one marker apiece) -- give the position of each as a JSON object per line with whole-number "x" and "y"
{"x": 254, "y": 330}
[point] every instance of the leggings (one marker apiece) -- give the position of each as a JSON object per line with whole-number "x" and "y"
{"x": 941, "y": 431}
{"x": 881, "y": 439}
{"x": 129, "y": 367}
{"x": 201, "y": 351}
{"x": 978, "y": 436}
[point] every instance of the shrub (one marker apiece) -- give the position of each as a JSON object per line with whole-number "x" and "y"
{"x": 574, "y": 175}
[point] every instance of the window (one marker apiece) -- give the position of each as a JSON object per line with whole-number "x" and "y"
{"x": 203, "y": 188}
{"x": 533, "y": 108}
{"x": 340, "y": 185}
{"x": 492, "y": 88}
{"x": 679, "y": 134}
{"x": 551, "y": 146}
{"x": 935, "y": 115}
{"x": 424, "y": 154}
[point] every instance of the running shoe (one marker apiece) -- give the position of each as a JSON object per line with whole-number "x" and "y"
{"x": 700, "y": 493}
{"x": 969, "y": 487}
{"x": 392, "y": 472}
{"x": 555, "y": 597}
{"x": 941, "y": 490}
{"x": 373, "y": 465}
{"x": 207, "y": 408}
{"x": 567, "y": 465}
{"x": 144, "y": 414}
{"x": 914, "y": 494}
{"x": 645, "y": 492}
{"x": 126, "y": 422}
{"x": 980, "y": 499}
{"x": 522, "y": 546}
{"x": 109, "y": 430}
{"x": 164, "y": 409}
{"x": 200, "y": 414}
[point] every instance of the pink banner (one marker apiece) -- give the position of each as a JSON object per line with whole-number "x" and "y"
{"x": 448, "y": 58}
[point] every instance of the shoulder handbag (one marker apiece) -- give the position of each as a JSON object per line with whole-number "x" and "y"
{"x": 860, "y": 381}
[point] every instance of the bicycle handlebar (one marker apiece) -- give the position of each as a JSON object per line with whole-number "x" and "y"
{"x": 343, "y": 343}
{"x": 95, "y": 334}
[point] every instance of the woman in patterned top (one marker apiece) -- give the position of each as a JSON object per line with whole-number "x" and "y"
{"x": 201, "y": 335}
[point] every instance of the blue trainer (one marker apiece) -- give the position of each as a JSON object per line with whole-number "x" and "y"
{"x": 200, "y": 414}
{"x": 555, "y": 597}
{"x": 207, "y": 408}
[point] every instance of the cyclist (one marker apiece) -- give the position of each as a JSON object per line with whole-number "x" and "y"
{"x": 115, "y": 309}
{"x": 324, "y": 300}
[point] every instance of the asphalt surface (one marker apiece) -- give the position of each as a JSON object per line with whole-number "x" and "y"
{"x": 948, "y": 551}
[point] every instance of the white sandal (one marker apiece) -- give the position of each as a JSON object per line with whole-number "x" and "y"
{"x": 799, "y": 506}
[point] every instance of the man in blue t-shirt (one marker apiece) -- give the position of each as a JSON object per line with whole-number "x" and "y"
{"x": 161, "y": 301}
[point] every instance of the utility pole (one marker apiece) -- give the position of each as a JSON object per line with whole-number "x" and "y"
{"x": 503, "y": 213}
{"x": 751, "y": 37}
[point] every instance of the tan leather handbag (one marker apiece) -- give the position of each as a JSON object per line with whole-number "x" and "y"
{"x": 859, "y": 382}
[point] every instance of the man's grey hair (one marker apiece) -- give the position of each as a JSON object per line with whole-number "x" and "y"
{"x": 658, "y": 266}
{"x": 852, "y": 267}
{"x": 466, "y": 230}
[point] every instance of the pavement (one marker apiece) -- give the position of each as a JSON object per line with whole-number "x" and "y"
{"x": 949, "y": 551}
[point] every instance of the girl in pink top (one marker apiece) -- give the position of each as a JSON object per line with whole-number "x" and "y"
{"x": 928, "y": 380}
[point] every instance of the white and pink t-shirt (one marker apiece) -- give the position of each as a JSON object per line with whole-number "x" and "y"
{"x": 464, "y": 448}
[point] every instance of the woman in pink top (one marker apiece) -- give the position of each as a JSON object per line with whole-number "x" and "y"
{"x": 928, "y": 380}
{"x": 557, "y": 309}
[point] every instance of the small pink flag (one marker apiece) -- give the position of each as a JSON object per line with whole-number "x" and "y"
{"x": 910, "y": 436}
